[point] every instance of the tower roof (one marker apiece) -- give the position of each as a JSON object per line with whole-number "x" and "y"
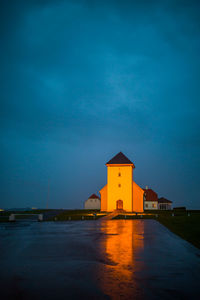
{"x": 120, "y": 158}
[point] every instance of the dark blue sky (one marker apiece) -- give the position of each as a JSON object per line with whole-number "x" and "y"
{"x": 83, "y": 80}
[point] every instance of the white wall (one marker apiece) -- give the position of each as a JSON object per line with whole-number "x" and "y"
{"x": 151, "y": 205}
{"x": 92, "y": 204}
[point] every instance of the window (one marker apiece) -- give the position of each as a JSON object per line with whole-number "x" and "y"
{"x": 119, "y": 174}
{"x": 153, "y": 205}
{"x": 146, "y": 205}
{"x": 119, "y": 185}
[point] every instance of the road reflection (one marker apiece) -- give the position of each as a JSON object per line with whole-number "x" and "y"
{"x": 122, "y": 243}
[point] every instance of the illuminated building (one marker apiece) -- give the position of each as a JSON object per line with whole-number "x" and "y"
{"x": 121, "y": 192}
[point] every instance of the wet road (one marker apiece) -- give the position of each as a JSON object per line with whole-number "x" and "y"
{"x": 119, "y": 259}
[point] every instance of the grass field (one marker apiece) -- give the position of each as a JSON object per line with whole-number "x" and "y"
{"x": 187, "y": 227}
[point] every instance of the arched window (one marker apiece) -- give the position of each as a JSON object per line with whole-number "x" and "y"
{"x": 119, "y": 204}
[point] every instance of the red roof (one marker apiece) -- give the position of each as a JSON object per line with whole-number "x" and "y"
{"x": 150, "y": 195}
{"x": 93, "y": 196}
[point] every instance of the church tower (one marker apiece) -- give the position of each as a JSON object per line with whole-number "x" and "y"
{"x": 119, "y": 180}
{"x": 121, "y": 192}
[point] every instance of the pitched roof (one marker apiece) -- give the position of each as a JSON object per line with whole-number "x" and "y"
{"x": 163, "y": 200}
{"x": 93, "y": 196}
{"x": 120, "y": 158}
{"x": 149, "y": 190}
{"x": 150, "y": 195}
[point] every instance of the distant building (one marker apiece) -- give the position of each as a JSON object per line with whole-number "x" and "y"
{"x": 121, "y": 192}
{"x": 93, "y": 202}
{"x": 164, "y": 204}
{"x": 150, "y": 199}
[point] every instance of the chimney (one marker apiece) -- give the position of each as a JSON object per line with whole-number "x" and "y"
{"x": 146, "y": 187}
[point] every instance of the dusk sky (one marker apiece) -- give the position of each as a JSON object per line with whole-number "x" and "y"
{"x": 83, "y": 80}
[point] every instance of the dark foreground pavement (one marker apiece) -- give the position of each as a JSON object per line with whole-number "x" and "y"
{"x": 119, "y": 259}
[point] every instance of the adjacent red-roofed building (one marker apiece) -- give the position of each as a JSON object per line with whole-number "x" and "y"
{"x": 93, "y": 202}
{"x": 150, "y": 199}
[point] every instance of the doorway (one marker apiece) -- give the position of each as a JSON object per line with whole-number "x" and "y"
{"x": 119, "y": 204}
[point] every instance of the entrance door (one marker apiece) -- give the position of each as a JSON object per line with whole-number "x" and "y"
{"x": 119, "y": 204}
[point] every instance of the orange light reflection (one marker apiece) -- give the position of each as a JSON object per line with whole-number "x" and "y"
{"x": 122, "y": 243}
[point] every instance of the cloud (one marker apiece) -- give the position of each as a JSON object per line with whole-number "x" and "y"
{"x": 101, "y": 73}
